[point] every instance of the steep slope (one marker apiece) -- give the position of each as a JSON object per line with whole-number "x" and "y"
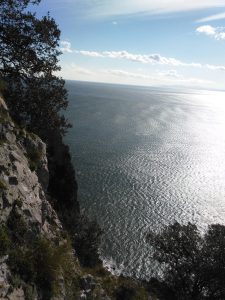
{"x": 24, "y": 180}
{"x": 24, "y": 177}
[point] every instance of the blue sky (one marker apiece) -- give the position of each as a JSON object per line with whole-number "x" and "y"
{"x": 142, "y": 42}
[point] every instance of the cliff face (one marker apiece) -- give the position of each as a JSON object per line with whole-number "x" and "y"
{"x": 24, "y": 177}
{"x": 62, "y": 182}
{"x": 24, "y": 180}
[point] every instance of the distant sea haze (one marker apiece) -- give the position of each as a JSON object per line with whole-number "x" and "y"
{"x": 145, "y": 158}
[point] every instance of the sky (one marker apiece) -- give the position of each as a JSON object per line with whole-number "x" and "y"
{"x": 142, "y": 42}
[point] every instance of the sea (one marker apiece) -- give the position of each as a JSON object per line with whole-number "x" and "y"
{"x": 146, "y": 157}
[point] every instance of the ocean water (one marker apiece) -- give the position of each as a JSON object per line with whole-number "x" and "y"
{"x": 145, "y": 158}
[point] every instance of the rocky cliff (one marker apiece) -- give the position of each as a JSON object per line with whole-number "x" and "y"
{"x": 24, "y": 179}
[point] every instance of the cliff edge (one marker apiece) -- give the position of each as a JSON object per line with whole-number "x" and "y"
{"x": 24, "y": 179}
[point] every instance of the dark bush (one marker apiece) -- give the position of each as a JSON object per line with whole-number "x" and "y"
{"x": 29, "y": 56}
{"x": 4, "y": 240}
{"x": 3, "y": 186}
{"x": 17, "y": 225}
{"x": 193, "y": 265}
{"x": 86, "y": 241}
{"x": 34, "y": 157}
{"x": 21, "y": 262}
{"x": 43, "y": 263}
{"x": 2, "y": 86}
{"x": 125, "y": 293}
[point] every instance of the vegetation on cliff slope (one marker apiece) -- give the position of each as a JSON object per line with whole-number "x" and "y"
{"x": 193, "y": 264}
{"x": 36, "y": 97}
{"x": 29, "y": 57}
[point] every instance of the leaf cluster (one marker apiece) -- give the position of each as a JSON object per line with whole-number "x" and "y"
{"x": 29, "y": 55}
{"x": 37, "y": 261}
{"x": 86, "y": 241}
{"x": 193, "y": 265}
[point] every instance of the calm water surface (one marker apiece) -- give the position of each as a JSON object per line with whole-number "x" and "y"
{"x": 146, "y": 158}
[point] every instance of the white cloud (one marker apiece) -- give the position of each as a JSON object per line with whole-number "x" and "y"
{"x": 89, "y": 53}
{"x": 171, "y": 74}
{"x": 66, "y": 47}
{"x": 216, "y": 32}
{"x": 153, "y": 59}
{"x": 212, "y": 18}
{"x": 168, "y": 78}
{"x": 81, "y": 70}
{"x": 114, "y": 23}
{"x": 129, "y": 74}
{"x": 141, "y": 58}
{"x": 206, "y": 29}
{"x": 73, "y": 71}
{"x": 216, "y": 68}
{"x": 104, "y": 8}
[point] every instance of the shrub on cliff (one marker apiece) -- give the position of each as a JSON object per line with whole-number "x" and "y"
{"x": 2, "y": 86}
{"x": 28, "y": 61}
{"x": 5, "y": 242}
{"x": 86, "y": 241}
{"x": 130, "y": 290}
{"x": 43, "y": 263}
{"x": 193, "y": 265}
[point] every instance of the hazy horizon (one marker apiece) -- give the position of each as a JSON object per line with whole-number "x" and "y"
{"x": 165, "y": 87}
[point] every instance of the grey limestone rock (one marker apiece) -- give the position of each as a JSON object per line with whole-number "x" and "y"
{"x": 24, "y": 181}
{"x": 24, "y": 176}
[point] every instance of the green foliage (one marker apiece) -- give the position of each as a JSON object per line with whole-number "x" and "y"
{"x": 30, "y": 292}
{"x": 2, "y": 142}
{"x": 123, "y": 288}
{"x": 96, "y": 271}
{"x": 42, "y": 262}
{"x": 28, "y": 61}
{"x": 130, "y": 290}
{"x": 5, "y": 242}
{"x": 125, "y": 293}
{"x": 17, "y": 225}
{"x": 21, "y": 262}
{"x": 86, "y": 241}
{"x": 193, "y": 265}
{"x": 18, "y": 203}
{"x": 4, "y": 116}
{"x": 3, "y": 186}
{"x": 47, "y": 263}
{"x": 34, "y": 157}
{"x": 2, "y": 86}
{"x": 51, "y": 262}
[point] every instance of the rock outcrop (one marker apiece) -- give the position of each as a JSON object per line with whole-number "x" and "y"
{"x": 24, "y": 177}
{"x": 24, "y": 181}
